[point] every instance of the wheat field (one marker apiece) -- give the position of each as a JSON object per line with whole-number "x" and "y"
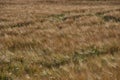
{"x": 59, "y": 40}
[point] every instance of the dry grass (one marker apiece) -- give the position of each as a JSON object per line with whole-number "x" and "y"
{"x": 59, "y": 40}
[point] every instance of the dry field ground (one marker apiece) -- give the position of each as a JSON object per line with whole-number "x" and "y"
{"x": 59, "y": 40}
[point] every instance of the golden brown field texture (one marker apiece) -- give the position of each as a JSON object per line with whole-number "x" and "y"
{"x": 55, "y": 40}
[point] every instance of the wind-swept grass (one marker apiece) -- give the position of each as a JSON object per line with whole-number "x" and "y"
{"x": 59, "y": 40}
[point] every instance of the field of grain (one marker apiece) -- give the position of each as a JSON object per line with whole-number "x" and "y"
{"x": 59, "y": 40}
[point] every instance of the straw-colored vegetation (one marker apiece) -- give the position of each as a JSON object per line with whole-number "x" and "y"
{"x": 59, "y": 40}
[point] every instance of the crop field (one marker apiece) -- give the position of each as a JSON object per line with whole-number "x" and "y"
{"x": 59, "y": 40}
